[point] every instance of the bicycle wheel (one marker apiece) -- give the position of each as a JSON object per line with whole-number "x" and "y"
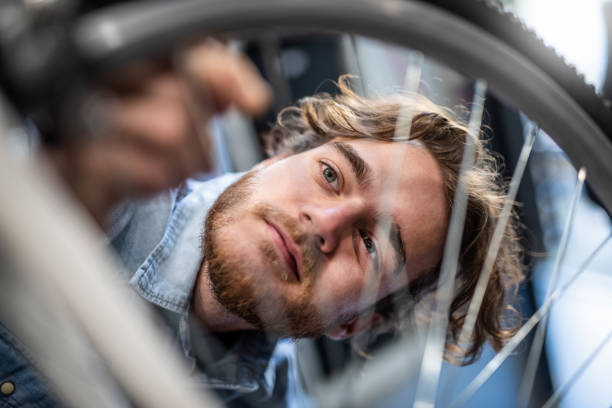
{"x": 477, "y": 40}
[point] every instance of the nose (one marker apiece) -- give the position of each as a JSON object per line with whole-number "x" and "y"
{"x": 330, "y": 222}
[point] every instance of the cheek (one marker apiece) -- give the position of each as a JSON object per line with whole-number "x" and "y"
{"x": 340, "y": 289}
{"x": 284, "y": 182}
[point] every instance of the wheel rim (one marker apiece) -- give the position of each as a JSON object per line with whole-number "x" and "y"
{"x": 107, "y": 38}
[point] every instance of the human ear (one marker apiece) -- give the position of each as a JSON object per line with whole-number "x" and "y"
{"x": 355, "y": 326}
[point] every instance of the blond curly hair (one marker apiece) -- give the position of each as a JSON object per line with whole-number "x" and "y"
{"x": 319, "y": 119}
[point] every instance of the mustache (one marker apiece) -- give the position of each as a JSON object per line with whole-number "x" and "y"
{"x": 306, "y": 243}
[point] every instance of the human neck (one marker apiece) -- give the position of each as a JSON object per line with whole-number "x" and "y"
{"x": 215, "y": 317}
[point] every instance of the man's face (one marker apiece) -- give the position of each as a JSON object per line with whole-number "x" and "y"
{"x": 302, "y": 245}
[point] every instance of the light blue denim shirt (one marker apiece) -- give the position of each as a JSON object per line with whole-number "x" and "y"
{"x": 161, "y": 240}
{"x": 160, "y": 243}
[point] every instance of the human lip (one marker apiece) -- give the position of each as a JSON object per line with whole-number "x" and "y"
{"x": 287, "y": 247}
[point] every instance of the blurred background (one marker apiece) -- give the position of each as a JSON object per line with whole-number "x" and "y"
{"x": 302, "y": 64}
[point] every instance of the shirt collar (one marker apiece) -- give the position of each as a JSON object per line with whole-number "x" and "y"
{"x": 167, "y": 276}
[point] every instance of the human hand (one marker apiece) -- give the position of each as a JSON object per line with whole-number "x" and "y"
{"x": 148, "y": 127}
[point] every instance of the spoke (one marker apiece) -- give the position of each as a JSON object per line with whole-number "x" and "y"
{"x": 270, "y": 46}
{"x": 505, "y": 352}
{"x": 412, "y": 79}
{"x": 436, "y": 335}
{"x": 358, "y": 66}
{"x": 50, "y": 241}
{"x": 390, "y": 187}
{"x": 381, "y": 377}
{"x": 404, "y": 120}
{"x": 199, "y": 107}
{"x": 61, "y": 350}
{"x": 498, "y": 234}
{"x": 560, "y": 393}
{"x": 487, "y": 267}
{"x": 401, "y": 133}
{"x": 538, "y": 341}
{"x": 271, "y": 61}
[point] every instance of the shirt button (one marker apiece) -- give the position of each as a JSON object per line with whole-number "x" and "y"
{"x": 7, "y": 388}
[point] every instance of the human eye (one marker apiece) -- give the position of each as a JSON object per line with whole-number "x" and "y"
{"x": 330, "y": 176}
{"x": 370, "y": 247}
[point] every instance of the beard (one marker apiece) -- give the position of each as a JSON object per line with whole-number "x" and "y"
{"x": 251, "y": 292}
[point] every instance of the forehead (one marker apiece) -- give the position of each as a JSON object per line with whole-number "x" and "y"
{"x": 407, "y": 184}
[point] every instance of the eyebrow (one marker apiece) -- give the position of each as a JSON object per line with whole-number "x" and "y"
{"x": 362, "y": 172}
{"x": 395, "y": 236}
{"x": 360, "y": 168}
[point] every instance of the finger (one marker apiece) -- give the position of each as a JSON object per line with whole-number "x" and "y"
{"x": 199, "y": 155}
{"x": 227, "y": 77}
{"x": 134, "y": 78}
{"x": 154, "y": 123}
{"x": 127, "y": 169}
{"x": 195, "y": 155}
{"x": 168, "y": 129}
{"x": 102, "y": 172}
{"x": 104, "y": 111}
{"x": 159, "y": 121}
{"x": 166, "y": 85}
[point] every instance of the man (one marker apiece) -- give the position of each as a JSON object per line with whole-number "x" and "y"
{"x": 339, "y": 233}
{"x": 315, "y": 240}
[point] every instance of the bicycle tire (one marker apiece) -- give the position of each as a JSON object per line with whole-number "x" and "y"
{"x": 513, "y": 31}
{"x": 581, "y": 124}
{"x": 478, "y": 39}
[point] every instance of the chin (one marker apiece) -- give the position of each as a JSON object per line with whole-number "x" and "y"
{"x": 245, "y": 271}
